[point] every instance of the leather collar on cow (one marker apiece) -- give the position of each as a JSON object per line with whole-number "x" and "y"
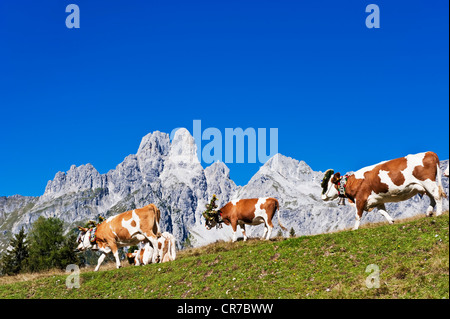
{"x": 93, "y": 237}
{"x": 219, "y": 219}
{"x": 341, "y": 185}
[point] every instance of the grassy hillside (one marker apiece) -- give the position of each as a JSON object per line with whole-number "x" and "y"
{"x": 413, "y": 259}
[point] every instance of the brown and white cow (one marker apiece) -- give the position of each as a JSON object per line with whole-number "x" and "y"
{"x": 390, "y": 181}
{"x": 142, "y": 256}
{"x": 252, "y": 211}
{"x": 136, "y": 257}
{"x": 166, "y": 251}
{"x": 166, "y": 247}
{"x": 126, "y": 229}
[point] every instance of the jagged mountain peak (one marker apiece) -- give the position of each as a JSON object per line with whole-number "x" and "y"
{"x": 218, "y": 168}
{"x": 183, "y": 148}
{"x": 154, "y": 143}
{"x": 286, "y": 168}
{"x": 77, "y": 178}
{"x": 219, "y": 182}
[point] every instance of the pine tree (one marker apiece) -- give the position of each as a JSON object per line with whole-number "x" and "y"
{"x": 14, "y": 260}
{"x": 48, "y": 247}
{"x": 292, "y": 232}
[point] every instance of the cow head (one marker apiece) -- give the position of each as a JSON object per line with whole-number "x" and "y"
{"x": 83, "y": 239}
{"x": 131, "y": 257}
{"x": 329, "y": 185}
{"x": 212, "y": 216}
{"x": 212, "y": 219}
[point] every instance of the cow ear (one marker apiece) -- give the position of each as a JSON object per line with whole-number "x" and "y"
{"x": 336, "y": 178}
{"x": 82, "y": 229}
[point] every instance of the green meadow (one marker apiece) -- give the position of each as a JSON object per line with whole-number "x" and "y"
{"x": 410, "y": 260}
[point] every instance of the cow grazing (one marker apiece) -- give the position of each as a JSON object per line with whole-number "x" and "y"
{"x": 135, "y": 257}
{"x": 166, "y": 251}
{"x": 390, "y": 181}
{"x": 142, "y": 256}
{"x": 252, "y": 211}
{"x": 166, "y": 247}
{"x": 122, "y": 230}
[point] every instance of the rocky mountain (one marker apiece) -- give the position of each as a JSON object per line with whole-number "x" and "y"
{"x": 169, "y": 174}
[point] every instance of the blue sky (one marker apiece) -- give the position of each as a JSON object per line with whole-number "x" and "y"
{"x": 341, "y": 95}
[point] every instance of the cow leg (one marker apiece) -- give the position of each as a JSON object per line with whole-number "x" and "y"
{"x": 155, "y": 255}
{"x": 234, "y": 227}
{"x": 432, "y": 191}
{"x": 358, "y": 221}
{"x": 439, "y": 207}
{"x": 269, "y": 232}
{"x": 154, "y": 241}
{"x": 358, "y": 215}
{"x": 382, "y": 211}
{"x": 243, "y": 231}
{"x": 433, "y": 203}
{"x": 116, "y": 256}
{"x": 269, "y": 226}
{"x": 100, "y": 260}
{"x": 265, "y": 232}
{"x": 147, "y": 252}
{"x": 431, "y": 207}
{"x": 115, "y": 252}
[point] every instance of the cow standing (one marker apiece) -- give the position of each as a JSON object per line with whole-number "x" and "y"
{"x": 122, "y": 230}
{"x": 252, "y": 211}
{"x": 390, "y": 181}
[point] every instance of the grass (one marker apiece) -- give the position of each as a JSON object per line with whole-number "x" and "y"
{"x": 412, "y": 257}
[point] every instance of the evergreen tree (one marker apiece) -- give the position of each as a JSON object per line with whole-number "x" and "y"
{"x": 48, "y": 247}
{"x": 15, "y": 258}
{"x": 292, "y": 232}
{"x": 67, "y": 254}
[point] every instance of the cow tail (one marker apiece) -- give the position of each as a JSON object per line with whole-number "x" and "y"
{"x": 442, "y": 194}
{"x": 158, "y": 232}
{"x": 277, "y": 208}
{"x": 158, "y": 218}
